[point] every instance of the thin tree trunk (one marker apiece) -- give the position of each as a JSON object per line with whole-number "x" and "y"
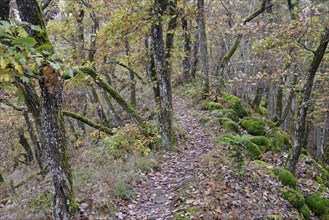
{"x": 258, "y": 97}
{"x": 23, "y": 141}
{"x": 195, "y": 59}
{"x": 203, "y": 49}
{"x": 132, "y": 76}
{"x": 302, "y": 112}
{"x": 187, "y": 51}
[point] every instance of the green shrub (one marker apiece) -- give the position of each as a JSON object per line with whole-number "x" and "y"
{"x": 253, "y": 126}
{"x": 295, "y": 197}
{"x": 305, "y": 211}
{"x": 262, "y": 142}
{"x": 207, "y": 105}
{"x": 318, "y": 204}
{"x": 235, "y": 103}
{"x": 226, "y": 113}
{"x": 287, "y": 178}
{"x": 253, "y": 150}
{"x": 229, "y": 125}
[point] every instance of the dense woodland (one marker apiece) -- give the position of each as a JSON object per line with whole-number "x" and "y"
{"x": 164, "y": 109}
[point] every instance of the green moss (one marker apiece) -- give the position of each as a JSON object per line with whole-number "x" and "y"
{"x": 205, "y": 119}
{"x": 235, "y": 103}
{"x": 319, "y": 180}
{"x": 318, "y": 204}
{"x": 207, "y": 105}
{"x": 226, "y": 113}
{"x": 269, "y": 169}
{"x": 324, "y": 173}
{"x": 295, "y": 197}
{"x": 287, "y": 178}
{"x": 263, "y": 111}
{"x": 253, "y": 150}
{"x": 276, "y": 171}
{"x": 305, "y": 211}
{"x": 254, "y": 126}
{"x": 229, "y": 125}
{"x": 304, "y": 152}
{"x": 274, "y": 217}
{"x": 280, "y": 140}
{"x": 262, "y": 142}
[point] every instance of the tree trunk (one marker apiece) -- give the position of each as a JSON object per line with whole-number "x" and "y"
{"x": 302, "y": 111}
{"x": 162, "y": 69}
{"x": 195, "y": 58}
{"x": 187, "y": 51}
{"x": 23, "y": 141}
{"x": 52, "y": 128}
{"x": 131, "y": 74}
{"x": 203, "y": 49}
{"x": 258, "y": 97}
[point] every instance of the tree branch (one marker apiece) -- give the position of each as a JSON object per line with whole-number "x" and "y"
{"x": 87, "y": 121}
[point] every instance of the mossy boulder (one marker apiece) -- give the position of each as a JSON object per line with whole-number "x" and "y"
{"x": 235, "y": 103}
{"x": 208, "y": 105}
{"x": 262, "y": 142}
{"x": 287, "y": 178}
{"x": 226, "y": 113}
{"x": 318, "y": 204}
{"x": 254, "y": 126}
{"x": 306, "y": 212}
{"x": 229, "y": 125}
{"x": 253, "y": 150}
{"x": 295, "y": 197}
{"x": 274, "y": 217}
{"x": 269, "y": 169}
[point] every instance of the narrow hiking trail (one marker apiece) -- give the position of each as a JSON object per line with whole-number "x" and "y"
{"x": 157, "y": 191}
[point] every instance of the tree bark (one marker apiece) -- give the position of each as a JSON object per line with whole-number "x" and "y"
{"x": 52, "y": 128}
{"x": 163, "y": 74}
{"x": 187, "y": 51}
{"x": 23, "y": 141}
{"x": 302, "y": 111}
{"x": 203, "y": 49}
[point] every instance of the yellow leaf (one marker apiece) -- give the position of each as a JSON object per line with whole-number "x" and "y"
{"x": 18, "y": 68}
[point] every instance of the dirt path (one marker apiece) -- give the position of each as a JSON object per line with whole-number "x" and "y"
{"x": 155, "y": 194}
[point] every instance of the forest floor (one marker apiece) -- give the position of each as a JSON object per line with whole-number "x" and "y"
{"x": 203, "y": 180}
{"x": 199, "y": 178}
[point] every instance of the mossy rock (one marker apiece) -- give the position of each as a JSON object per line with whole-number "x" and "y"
{"x": 269, "y": 169}
{"x": 229, "y": 125}
{"x": 318, "y": 204}
{"x": 253, "y": 150}
{"x": 254, "y": 126}
{"x": 226, "y": 113}
{"x": 207, "y": 105}
{"x": 205, "y": 119}
{"x": 295, "y": 197}
{"x": 287, "y": 178}
{"x": 263, "y": 142}
{"x": 235, "y": 103}
{"x": 306, "y": 212}
{"x": 274, "y": 217}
